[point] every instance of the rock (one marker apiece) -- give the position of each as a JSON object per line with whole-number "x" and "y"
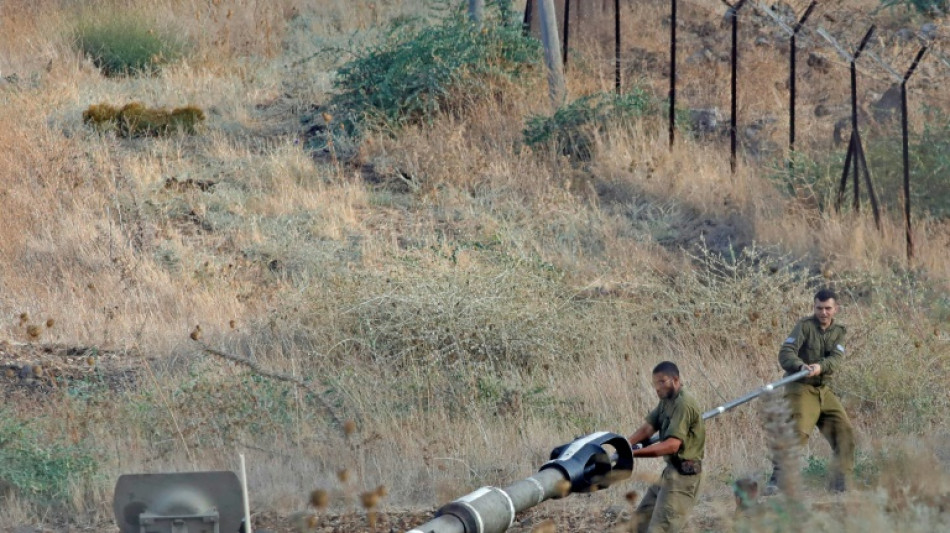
{"x": 616, "y": 511}
{"x": 842, "y": 130}
{"x": 784, "y": 11}
{"x": 905, "y": 35}
{"x": 705, "y": 121}
{"x": 700, "y": 56}
{"x": 888, "y": 105}
{"x": 818, "y": 62}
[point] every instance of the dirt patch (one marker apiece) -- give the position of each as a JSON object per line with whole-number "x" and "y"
{"x": 572, "y": 520}
{"x": 33, "y": 368}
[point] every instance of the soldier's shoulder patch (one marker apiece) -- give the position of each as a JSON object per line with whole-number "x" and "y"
{"x": 790, "y": 340}
{"x": 840, "y": 348}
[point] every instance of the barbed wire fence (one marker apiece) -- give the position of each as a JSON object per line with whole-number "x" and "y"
{"x": 877, "y": 56}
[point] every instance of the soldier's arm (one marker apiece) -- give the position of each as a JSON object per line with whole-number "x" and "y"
{"x": 649, "y": 427}
{"x": 643, "y": 433}
{"x": 831, "y": 362}
{"x": 668, "y": 446}
{"x": 788, "y": 354}
{"x": 676, "y": 433}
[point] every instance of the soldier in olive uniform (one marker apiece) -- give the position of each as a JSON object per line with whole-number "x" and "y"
{"x": 817, "y": 344}
{"x": 666, "y": 505}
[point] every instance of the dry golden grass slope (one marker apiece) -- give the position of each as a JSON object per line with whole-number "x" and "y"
{"x": 466, "y": 302}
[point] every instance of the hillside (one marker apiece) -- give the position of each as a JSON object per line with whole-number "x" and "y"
{"x": 356, "y": 243}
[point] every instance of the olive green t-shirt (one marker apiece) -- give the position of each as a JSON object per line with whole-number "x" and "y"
{"x": 680, "y": 417}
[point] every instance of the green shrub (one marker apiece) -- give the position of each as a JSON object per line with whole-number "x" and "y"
{"x": 929, "y": 153}
{"x": 571, "y": 130}
{"x": 35, "y": 467}
{"x": 924, "y": 7}
{"x": 416, "y": 74}
{"x": 817, "y": 180}
{"x": 126, "y": 45}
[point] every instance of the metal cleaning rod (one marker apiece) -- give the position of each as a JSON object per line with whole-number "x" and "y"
{"x": 712, "y": 413}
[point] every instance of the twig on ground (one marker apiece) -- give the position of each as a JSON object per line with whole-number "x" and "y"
{"x": 278, "y": 376}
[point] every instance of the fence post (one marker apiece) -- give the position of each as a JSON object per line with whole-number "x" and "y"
{"x": 528, "y": 15}
{"x": 791, "y": 82}
{"x": 733, "y": 128}
{"x": 567, "y": 28}
{"x": 905, "y": 145}
{"x": 617, "y": 45}
{"x": 552, "y": 52}
{"x": 855, "y": 156}
{"x": 672, "y": 117}
{"x": 476, "y": 10}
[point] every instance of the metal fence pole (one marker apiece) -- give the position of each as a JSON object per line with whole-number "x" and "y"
{"x": 905, "y": 145}
{"x": 791, "y": 82}
{"x": 552, "y": 52}
{"x": 567, "y": 28}
{"x": 672, "y": 117}
{"x": 733, "y": 125}
{"x": 476, "y": 10}
{"x": 855, "y": 155}
{"x": 617, "y": 45}
{"x": 528, "y": 15}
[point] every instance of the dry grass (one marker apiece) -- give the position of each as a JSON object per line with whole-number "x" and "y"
{"x": 466, "y": 302}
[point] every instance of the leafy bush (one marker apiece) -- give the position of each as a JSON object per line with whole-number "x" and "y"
{"x": 929, "y": 153}
{"x": 924, "y": 7}
{"x": 813, "y": 181}
{"x": 35, "y": 467}
{"x": 126, "y": 45}
{"x": 414, "y": 74}
{"x": 571, "y": 130}
{"x": 816, "y": 181}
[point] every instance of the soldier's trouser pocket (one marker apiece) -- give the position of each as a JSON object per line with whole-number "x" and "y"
{"x": 675, "y": 496}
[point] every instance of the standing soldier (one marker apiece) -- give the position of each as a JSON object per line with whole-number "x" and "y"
{"x": 679, "y": 420}
{"x": 817, "y": 344}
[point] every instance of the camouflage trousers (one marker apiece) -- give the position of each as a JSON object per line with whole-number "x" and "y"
{"x": 667, "y": 504}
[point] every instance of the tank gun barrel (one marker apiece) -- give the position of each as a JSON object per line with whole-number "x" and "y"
{"x": 586, "y": 464}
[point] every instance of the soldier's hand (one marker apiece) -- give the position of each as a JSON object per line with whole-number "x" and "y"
{"x": 814, "y": 369}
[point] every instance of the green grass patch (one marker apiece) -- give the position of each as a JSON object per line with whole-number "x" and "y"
{"x": 36, "y": 467}
{"x": 123, "y": 45}
{"x": 572, "y": 129}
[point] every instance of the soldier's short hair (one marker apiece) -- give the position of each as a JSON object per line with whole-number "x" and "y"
{"x": 825, "y": 294}
{"x": 667, "y": 368}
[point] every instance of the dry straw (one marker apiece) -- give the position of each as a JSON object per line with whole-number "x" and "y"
{"x": 137, "y": 120}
